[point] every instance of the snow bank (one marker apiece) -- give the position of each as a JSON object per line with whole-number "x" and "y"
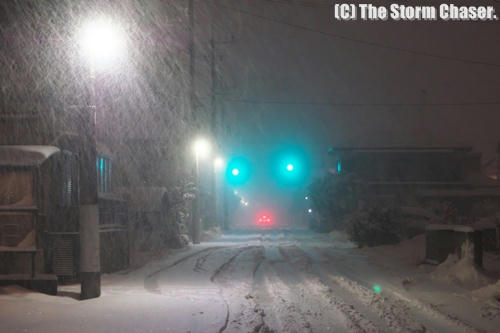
{"x": 490, "y": 292}
{"x": 339, "y": 235}
{"x": 410, "y": 251}
{"x": 341, "y": 240}
{"x": 462, "y": 271}
{"x": 211, "y": 234}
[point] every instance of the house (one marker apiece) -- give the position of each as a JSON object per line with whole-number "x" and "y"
{"x": 419, "y": 176}
{"x": 38, "y": 198}
{"x": 39, "y": 210}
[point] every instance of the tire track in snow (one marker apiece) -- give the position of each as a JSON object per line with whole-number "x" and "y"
{"x": 435, "y": 312}
{"x": 352, "y": 319}
{"x": 395, "y": 314}
{"x": 278, "y": 302}
{"x": 395, "y": 299}
{"x": 230, "y": 278}
{"x": 151, "y": 283}
{"x": 222, "y": 268}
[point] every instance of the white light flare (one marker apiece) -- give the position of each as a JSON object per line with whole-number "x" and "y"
{"x": 218, "y": 163}
{"x": 102, "y": 41}
{"x": 201, "y": 148}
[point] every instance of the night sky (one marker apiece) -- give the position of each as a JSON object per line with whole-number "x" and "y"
{"x": 289, "y": 67}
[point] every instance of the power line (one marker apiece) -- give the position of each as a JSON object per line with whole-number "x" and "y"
{"x": 309, "y": 4}
{"x": 362, "y": 41}
{"x": 280, "y": 102}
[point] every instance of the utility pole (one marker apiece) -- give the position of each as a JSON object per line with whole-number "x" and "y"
{"x": 90, "y": 263}
{"x": 195, "y": 218}
{"x": 191, "y": 60}
{"x": 215, "y": 124}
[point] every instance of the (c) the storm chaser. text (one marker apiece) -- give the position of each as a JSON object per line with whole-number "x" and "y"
{"x": 398, "y": 12}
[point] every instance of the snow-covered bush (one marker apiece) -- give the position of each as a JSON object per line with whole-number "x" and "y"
{"x": 377, "y": 224}
{"x": 334, "y": 196}
{"x": 179, "y": 216}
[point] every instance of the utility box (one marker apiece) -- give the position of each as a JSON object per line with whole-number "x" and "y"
{"x": 441, "y": 240}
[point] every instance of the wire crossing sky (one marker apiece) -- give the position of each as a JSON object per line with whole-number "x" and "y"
{"x": 362, "y": 41}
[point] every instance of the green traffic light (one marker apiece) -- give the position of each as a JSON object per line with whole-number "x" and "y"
{"x": 238, "y": 171}
{"x": 290, "y": 166}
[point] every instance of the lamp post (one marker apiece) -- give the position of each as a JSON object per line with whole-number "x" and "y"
{"x": 218, "y": 166}
{"x": 100, "y": 42}
{"x": 201, "y": 149}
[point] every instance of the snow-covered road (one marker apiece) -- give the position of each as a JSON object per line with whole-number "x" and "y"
{"x": 281, "y": 281}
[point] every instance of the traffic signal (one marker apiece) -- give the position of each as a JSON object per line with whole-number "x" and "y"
{"x": 238, "y": 171}
{"x": 290, "y": 167}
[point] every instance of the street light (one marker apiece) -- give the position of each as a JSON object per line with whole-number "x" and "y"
{"x": 201, "y": 148}
{"x": 218, "y": 163}
{"x": 101, "y": 42}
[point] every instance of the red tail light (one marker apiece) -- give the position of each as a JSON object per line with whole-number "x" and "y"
{"x": 264, "y": 219}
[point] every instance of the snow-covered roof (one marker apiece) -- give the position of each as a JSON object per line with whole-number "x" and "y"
{"x": 402, "y": 149}
{"x": 449, "y": 227}
{"x": 461, "y": 193}
{"x": 25, "y": 155}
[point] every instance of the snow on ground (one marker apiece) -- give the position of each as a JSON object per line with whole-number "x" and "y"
{"x": 268, "y": 281}
{"x": 460, "y": 271}
{"x": 455, "y": 289}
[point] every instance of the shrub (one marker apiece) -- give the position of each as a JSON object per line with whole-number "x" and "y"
{"x": 375, "y": 225}
{"x": 332, "y": 197}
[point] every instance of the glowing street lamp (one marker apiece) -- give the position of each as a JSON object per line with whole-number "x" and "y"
{"x": 218, "y": 163}
{"x": 101, "y": 42}
{"x": 201, "y": 148}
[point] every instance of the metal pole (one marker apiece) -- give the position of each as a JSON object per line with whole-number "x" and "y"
{"x": 225, "y": 207}
{"x": 213, "y": 125}
{"x": 216, "y": 199}
{"x": 191, "y": 60}
{"x": 90, "y": 264}
{"x": 196, "y": 206}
